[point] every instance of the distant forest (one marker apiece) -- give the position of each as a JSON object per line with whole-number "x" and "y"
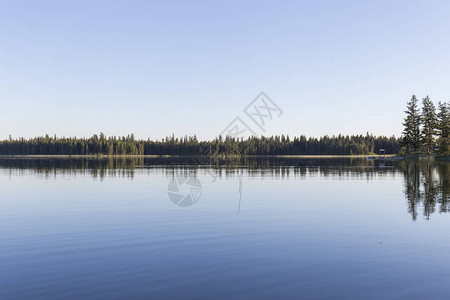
{"x": 426, "y": 130}
{"x": 129, "y": 145}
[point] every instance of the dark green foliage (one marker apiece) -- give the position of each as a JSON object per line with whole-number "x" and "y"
{"x": 443, "y": 128}
{"x": 422, "y": 128}
{"x": 275, "y": 145}
{"x": 429, "y": 125}
{"x": 411, "y": 132}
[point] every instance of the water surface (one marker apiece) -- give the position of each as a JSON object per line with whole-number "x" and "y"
{"x": 266, "y": 228}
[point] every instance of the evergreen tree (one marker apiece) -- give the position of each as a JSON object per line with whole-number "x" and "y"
{"x": 429, "y": 125}
{"x": 411, "y": 131}
{"x": 443, "y": 128}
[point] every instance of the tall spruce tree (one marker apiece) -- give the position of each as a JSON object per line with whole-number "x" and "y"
{"x": 429, "y": 124}
{"x": 411, "y": 131}
{"x": 443, "y": 127}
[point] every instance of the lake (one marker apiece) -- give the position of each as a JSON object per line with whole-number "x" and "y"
{"x": 254, "y": 228}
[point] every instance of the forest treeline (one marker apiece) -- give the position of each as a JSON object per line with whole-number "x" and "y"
{"x": 426, "y": 130}
{"x": 129, "y": 145}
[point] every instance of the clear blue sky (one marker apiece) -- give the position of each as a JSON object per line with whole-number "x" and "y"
{"x": 189, "y": 67}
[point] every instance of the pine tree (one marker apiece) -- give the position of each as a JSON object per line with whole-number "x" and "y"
{"x": 411, "y": 132}
{"x": 443, "y": 127}
{"x": 429, "y": 124}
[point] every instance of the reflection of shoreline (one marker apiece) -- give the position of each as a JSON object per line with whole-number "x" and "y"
{"x": 426, "y": 182}
{"x": 101, "y": 156}
{"x": 228, "y": 167}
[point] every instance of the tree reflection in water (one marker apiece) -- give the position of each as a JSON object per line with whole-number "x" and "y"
{"x": 426, "y": 183}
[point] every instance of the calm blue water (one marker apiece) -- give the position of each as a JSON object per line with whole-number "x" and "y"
{"x": 264, "y": 229}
